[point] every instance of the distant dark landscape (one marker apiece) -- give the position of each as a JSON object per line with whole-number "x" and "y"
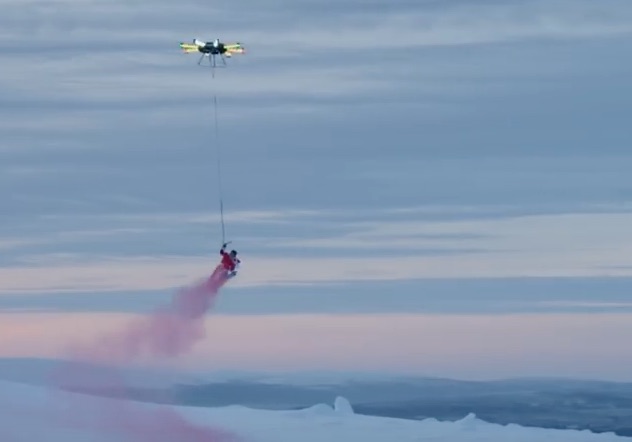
{"x": 547, "y": 403}
{"x": 595, "y": 406}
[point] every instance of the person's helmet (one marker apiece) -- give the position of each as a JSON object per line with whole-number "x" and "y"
{"x": 233, "y": 252}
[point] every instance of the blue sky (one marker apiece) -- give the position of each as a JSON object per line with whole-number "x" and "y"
{"x": 442, "y": 157}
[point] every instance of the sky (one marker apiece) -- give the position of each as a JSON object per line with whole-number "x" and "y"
{"x": 437, "y": 187}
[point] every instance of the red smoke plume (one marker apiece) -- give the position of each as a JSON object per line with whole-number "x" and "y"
{"x": 168, "y": 333}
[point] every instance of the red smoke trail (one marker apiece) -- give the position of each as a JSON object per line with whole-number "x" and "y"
{"x": 169, "y": 332}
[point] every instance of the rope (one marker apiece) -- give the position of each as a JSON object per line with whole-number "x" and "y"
{"x": 219, "y": 172}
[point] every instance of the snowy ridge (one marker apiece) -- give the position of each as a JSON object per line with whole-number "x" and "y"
{"x": 22, "y": 405}
{"x": 535, "y": 403}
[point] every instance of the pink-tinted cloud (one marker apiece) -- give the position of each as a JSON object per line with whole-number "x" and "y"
{"x": 462, "y": 346}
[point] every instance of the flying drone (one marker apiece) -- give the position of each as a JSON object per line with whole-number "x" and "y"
{"x": 212, "y": 50}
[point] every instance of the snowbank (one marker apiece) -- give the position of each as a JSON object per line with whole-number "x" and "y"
{"x": 33, "y": 413}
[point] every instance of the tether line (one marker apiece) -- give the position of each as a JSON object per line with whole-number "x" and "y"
{"x": 219, "y": 172}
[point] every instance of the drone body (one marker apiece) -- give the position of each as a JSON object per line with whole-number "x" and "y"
{"x": 213, "y": 49}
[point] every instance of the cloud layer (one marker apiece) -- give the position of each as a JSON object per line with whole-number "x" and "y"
{"x": 425, "y": 156}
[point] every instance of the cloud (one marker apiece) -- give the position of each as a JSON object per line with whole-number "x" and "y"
{"x": 445, "y": 106}
{"x": 462, "y": 346}
{"x": 121, "y": 52}
{"x": 528, "y": 246}
{"x": 587, "y": 304}
{"x": 442, "y": 78}
{"x": 346, "y": 26}
{"x": 113, "y": 233}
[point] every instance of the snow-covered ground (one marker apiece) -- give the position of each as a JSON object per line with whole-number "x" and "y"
{"x": 33, "y": 413}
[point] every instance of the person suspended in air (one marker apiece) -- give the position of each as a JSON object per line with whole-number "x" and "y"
{"x": 229, "y": 261}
